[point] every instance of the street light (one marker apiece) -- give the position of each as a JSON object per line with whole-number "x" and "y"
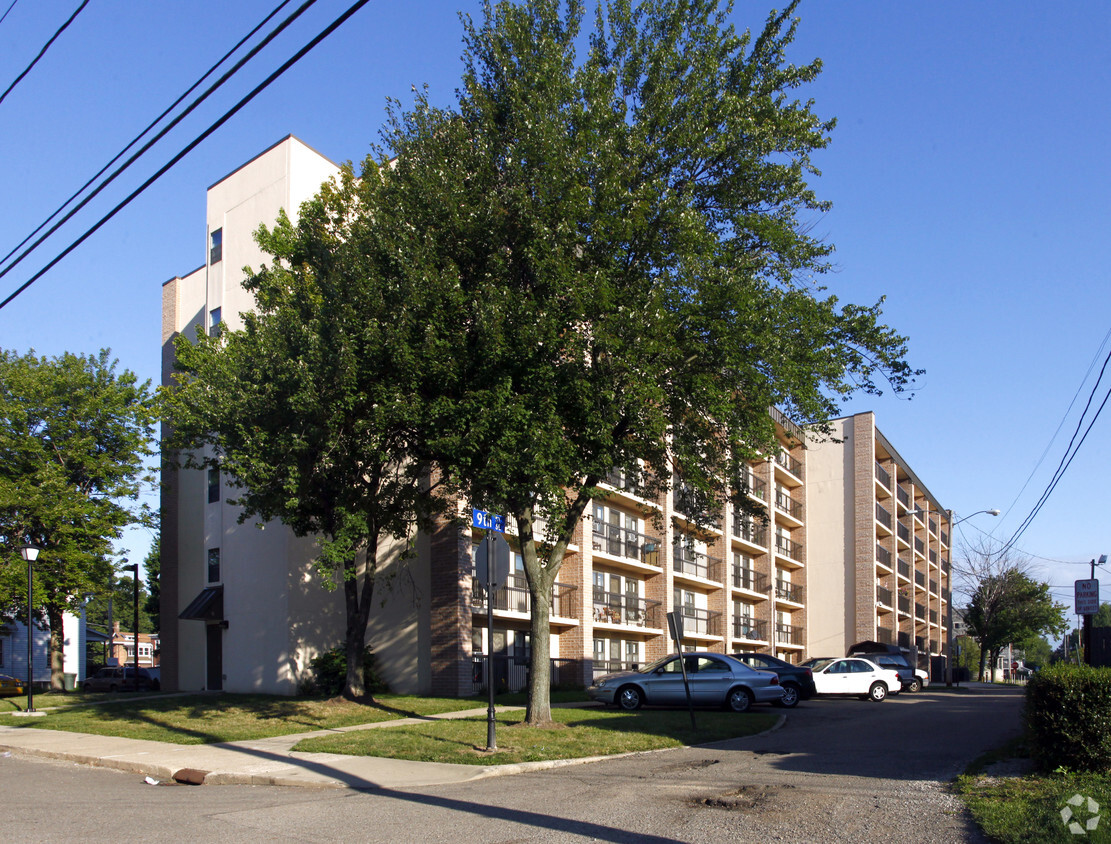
{"x": 949, "y": 608}
{"x": 30, "y": 553}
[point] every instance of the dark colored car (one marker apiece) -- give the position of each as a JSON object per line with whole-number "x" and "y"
{"x": 119, "y": 678}
{"x": 797, "y": 680}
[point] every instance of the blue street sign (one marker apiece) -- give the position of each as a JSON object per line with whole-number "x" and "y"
{"x": 487, "y": 521}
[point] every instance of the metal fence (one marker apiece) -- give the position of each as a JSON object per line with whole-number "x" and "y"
{"x": 511, "y": 673}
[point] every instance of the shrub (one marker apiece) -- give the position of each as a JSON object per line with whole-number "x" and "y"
{"x": 329, "y": 673}
{"x": 1068, "y": 718}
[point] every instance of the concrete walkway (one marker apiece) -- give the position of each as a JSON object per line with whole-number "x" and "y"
{"x": 268, "y": 761}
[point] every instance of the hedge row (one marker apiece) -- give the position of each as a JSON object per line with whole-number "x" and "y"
{"x": 1068, "y": 718}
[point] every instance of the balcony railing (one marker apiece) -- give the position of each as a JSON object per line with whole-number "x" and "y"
{"x": 903, "y": 532}
{"x": 933, "y": 525}
{"x": 883, "y": 517}
{"x": 789, "y": 463}
{"x": 919, "y": 546}
{"x": 788, "y": 505}
{"x": 624, "y": 542}
{"x": 697, "y": 564}
{"x": 920, "y": 611}
{"x": 933, "y": 556}
{"x": 515, "y": 597}
{"x": 883, "y": 595}
{"x": 758, "y": 487}
{"x": 884, "y": 636}
{"x": 904, "y": 604}
{"x": 920, "y": 642}
{"x": 511, "y": 672}
{"x": 920, "y": 579}
{"x": 790, "y": 427}
{"x": 883, "y": 476}
{"x": 749, "y": 531}
{"x": 903, "y": 495}
{"x": 788, "y": 591}
{"x": 788, "y": 547}
{"x": 933, "y": 585}
{"x": 617, "y": 608}
{"x": 944, "y": 538}
{"x": 630, "y": 481}
{"x": 612, "y": 666}
{"x": 753, "y": 581}
{"x": 788, "y": 634}
{"x": 904, "y": 640}
{"x": 883, "y": 555}
{"x": 933, "y": 616}
{"x": 904, "y": 568}
{"x": 700, "y": 621}
{"x": 748, "y": 628}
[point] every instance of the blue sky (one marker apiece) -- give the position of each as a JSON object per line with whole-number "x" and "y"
{"x": 968, "y": 176}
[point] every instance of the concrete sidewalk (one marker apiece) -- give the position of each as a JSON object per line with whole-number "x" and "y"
{"x": 269, "y": 761}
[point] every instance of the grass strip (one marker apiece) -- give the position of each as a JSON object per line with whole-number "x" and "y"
{"x": 1027, "y": 810}
{"x": 207, "y": 719}
{"x": 575, "y": 733}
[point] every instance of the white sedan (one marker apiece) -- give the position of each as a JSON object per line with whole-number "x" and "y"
{"x": 854, "y": 676}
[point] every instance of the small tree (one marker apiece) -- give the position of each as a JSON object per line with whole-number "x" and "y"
{"x": 74, "y": 435}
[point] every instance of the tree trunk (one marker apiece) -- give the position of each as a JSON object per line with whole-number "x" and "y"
{"x": 57, "y": 644}
{"x": 358, "y": 617}
{"x": 539, "y": 709}
{"x": 983, "y": 657}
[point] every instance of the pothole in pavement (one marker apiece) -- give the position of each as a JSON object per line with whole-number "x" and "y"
{"x": 679, "y": 767}
{"x": 747, "y": 798}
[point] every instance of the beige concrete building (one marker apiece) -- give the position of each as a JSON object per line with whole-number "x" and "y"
{"x": 243, "y": 611}
{"x": 880, "y": 546}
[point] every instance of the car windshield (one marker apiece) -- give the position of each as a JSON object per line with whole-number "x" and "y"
{"x": 652, "y": 666}
{"x": 818, "y": 664}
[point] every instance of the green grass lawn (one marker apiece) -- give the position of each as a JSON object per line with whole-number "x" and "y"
{"x": 1027, "y": 809}
{"x": 205, "y": 719}
{"x": 575, "y": 734}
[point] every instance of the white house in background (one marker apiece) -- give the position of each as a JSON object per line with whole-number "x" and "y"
{"x": 13, "y": 650}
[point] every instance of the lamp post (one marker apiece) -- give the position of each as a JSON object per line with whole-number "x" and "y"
{"x": 30, "y": 553}
{"x": 949, "y": 606}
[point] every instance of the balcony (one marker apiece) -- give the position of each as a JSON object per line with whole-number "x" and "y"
{"x": 920, "y": 579}
{"x": 883, "y": 595}
{"x": 904, "y": 568}
{"x": 700, "y": 622}
{"x": 789, "y": 427}
{"x": 749, "y": 531}
{"x": 786, "y": 591}
{"x": 920, "y": 642}
{"x": 788, "y": 634}
{"x": 788, "y": 505}
{"x": 758, "y": 487}
{"x": 904, "y": 604}
{"x": 628, "y": 481}
{"x": 919, "y": 547}
{"x": 903, "y": 532}
{"x": 789, "y": 463}
{"x": 514, "y": 597}
{"x": 933, "y": 586}
{"x": 883, "y": 476}
{"x": 788, "y": 548}
{"x": 626, "y": 610}
{"x": 932, "y": 523}
{"x": 883, "y": 556}
{"x": 902, "y": 495}
{"x": 747, "y": 628}
{"x": 753, "y": 581}
{"x": 904, "y": 640}
{"x": 623, "y": 542}
{"x": 933, "y": 617}
{"x": 884, "y": 636}
{"x": 933, "y": 556}
{"x": 883, "y": 517}
{"x": 920, "y": 612}
{"x": 697, "y": 564}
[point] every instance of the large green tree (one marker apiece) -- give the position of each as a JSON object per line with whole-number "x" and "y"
{"x": 74, "y": 436}
{"x": 613, "y": 235}
{"x": 309, "y": 409}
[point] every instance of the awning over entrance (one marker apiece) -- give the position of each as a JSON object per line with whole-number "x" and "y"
{"x": 207, "y": 606}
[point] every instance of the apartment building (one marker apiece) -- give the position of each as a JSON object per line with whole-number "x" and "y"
{"x": 243, "y": 611}
{"x": 879, "y": 540}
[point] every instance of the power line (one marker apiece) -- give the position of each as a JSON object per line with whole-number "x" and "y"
{"x": 188, "y": 110}
{"x": 12, "y": 6}
{"x": 192, "y": 145}
{"x": 45, "y": 47}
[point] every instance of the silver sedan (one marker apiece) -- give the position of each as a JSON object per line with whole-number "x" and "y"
{"x": 714, "y": 680}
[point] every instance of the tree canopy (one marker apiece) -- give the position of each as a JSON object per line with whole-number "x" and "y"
{"x": 615, "y": 246}
{"x": 74, "y": 436}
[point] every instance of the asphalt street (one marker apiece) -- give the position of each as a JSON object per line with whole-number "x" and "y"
{"x": 837, "y": 770}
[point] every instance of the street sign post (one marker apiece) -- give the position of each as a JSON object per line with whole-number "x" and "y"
{"x": 493, "y": 549}
{"x": 1087, "y": 596}
{"x": 675, "y": 625}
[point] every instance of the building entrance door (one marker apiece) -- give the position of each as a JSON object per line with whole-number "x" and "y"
{"x": 215, "y": 657}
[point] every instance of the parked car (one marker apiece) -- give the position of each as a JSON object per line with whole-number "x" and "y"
{"x": 855, "y": 676}
{"x": 10, "y": 686}
{"x": 714, "y": 679}
{"x": 797, "y": 680}
{"x": 891, "y": 656}
{"x": 118, "y": 678}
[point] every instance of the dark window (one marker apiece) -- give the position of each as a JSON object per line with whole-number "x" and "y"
{"x": 213, "y": 485}
{"x": 215, "y": 321}
{"x": 216, "y": 246}
{"x": 213, "y": 565}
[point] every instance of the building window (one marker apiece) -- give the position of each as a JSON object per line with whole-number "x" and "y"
{"x": 215, "y": 322}
{"x": 216, "y": 246}
{"x": 213, "y": 565}
{"x": 213, "y": 485}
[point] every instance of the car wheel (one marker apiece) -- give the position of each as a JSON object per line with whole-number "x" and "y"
{"x": 915, "y": 685}
{"x": 629, "y": 698}
{"x": 790, "y": 697}
{"x": 739, "y": 699}
{"x": 878, "y": 692}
